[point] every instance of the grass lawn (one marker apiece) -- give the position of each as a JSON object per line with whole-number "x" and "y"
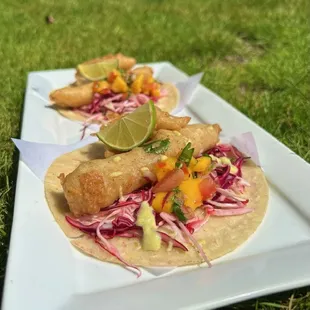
{"x": 255, "y": 54}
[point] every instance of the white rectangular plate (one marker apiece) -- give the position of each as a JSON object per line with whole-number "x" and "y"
{"x": 45, "y": 272}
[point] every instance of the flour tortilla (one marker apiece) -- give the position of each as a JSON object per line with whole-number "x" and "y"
{"x": 218, "y": 237}
{"x": 166, "y": 104}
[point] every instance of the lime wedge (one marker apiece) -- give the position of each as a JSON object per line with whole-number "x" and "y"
{"x": 131, "y": 130}
{"x": 99, "y": 70}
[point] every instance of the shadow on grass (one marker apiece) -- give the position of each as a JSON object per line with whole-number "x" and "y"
{"x": 9, "y": 181}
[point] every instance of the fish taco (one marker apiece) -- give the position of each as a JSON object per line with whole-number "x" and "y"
{"x": 108, "y": 87}
{"x": 182, "y": 198}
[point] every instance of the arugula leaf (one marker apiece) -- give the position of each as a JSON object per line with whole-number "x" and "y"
{"x": 157, "y": 146}
{"x": 176, "y": 206}
{"x": 185, "y": 156}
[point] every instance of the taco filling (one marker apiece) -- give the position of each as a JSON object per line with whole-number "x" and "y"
{"x": 186, "y": 193}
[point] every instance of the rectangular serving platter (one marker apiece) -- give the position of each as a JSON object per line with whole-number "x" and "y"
{"x": 45, "y": 272}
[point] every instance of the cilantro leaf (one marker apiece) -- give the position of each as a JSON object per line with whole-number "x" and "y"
{"x": 157, "y": 146}
{"x": 176, "y": 190}
{"x": 185, "y": 156}
{"x": 176, "y": 206}
{"x": 176, "y": 209}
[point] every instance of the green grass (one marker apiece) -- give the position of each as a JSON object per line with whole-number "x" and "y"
{"x": 255, "y": 54}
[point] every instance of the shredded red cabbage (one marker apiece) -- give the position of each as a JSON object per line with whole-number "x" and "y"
{"x": 113, "y": 102}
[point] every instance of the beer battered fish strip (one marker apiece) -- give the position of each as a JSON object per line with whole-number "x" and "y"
{"x": 166, "y": 121}
{"x": 72, "y": 97}
{"x": 96, "y": 184}
{"x": 124, "y": 62}
{"x": 82, "y": 92}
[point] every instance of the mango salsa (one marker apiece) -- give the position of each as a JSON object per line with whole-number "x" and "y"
{"x": 190, "y": 186}
{"x": 100, "y": 86}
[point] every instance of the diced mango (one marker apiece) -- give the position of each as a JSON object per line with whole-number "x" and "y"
{"x": 155, "y": 91}
{"x": 119, "y": 85}
{"x": 100, "y": 86}
{"x": 149, "y": 79}
{"x": 202, "y": 164}
{"x": 157, "y": 203}
{"x": 163, "y": 167}
{"x": 168, "y": 206}
{"x": 193, "y": 163}
{"x": 146, "y": 88}
{"x": 136, "y": 86}
{"x": 191, "y": 191}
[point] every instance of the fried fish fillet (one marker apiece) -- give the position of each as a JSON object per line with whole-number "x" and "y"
{"x": 166, "y": 121}
{"x": 145, "y": 70}
{"x": 72, "y": 97}
{"x": 124, "y": 62}
{"x": 96, "y": 184}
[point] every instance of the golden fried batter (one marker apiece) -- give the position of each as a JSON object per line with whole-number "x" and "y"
{"x": 166, "y": 121}
{"x": 72, "y": 97}
{"x": 145, "y": 70}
